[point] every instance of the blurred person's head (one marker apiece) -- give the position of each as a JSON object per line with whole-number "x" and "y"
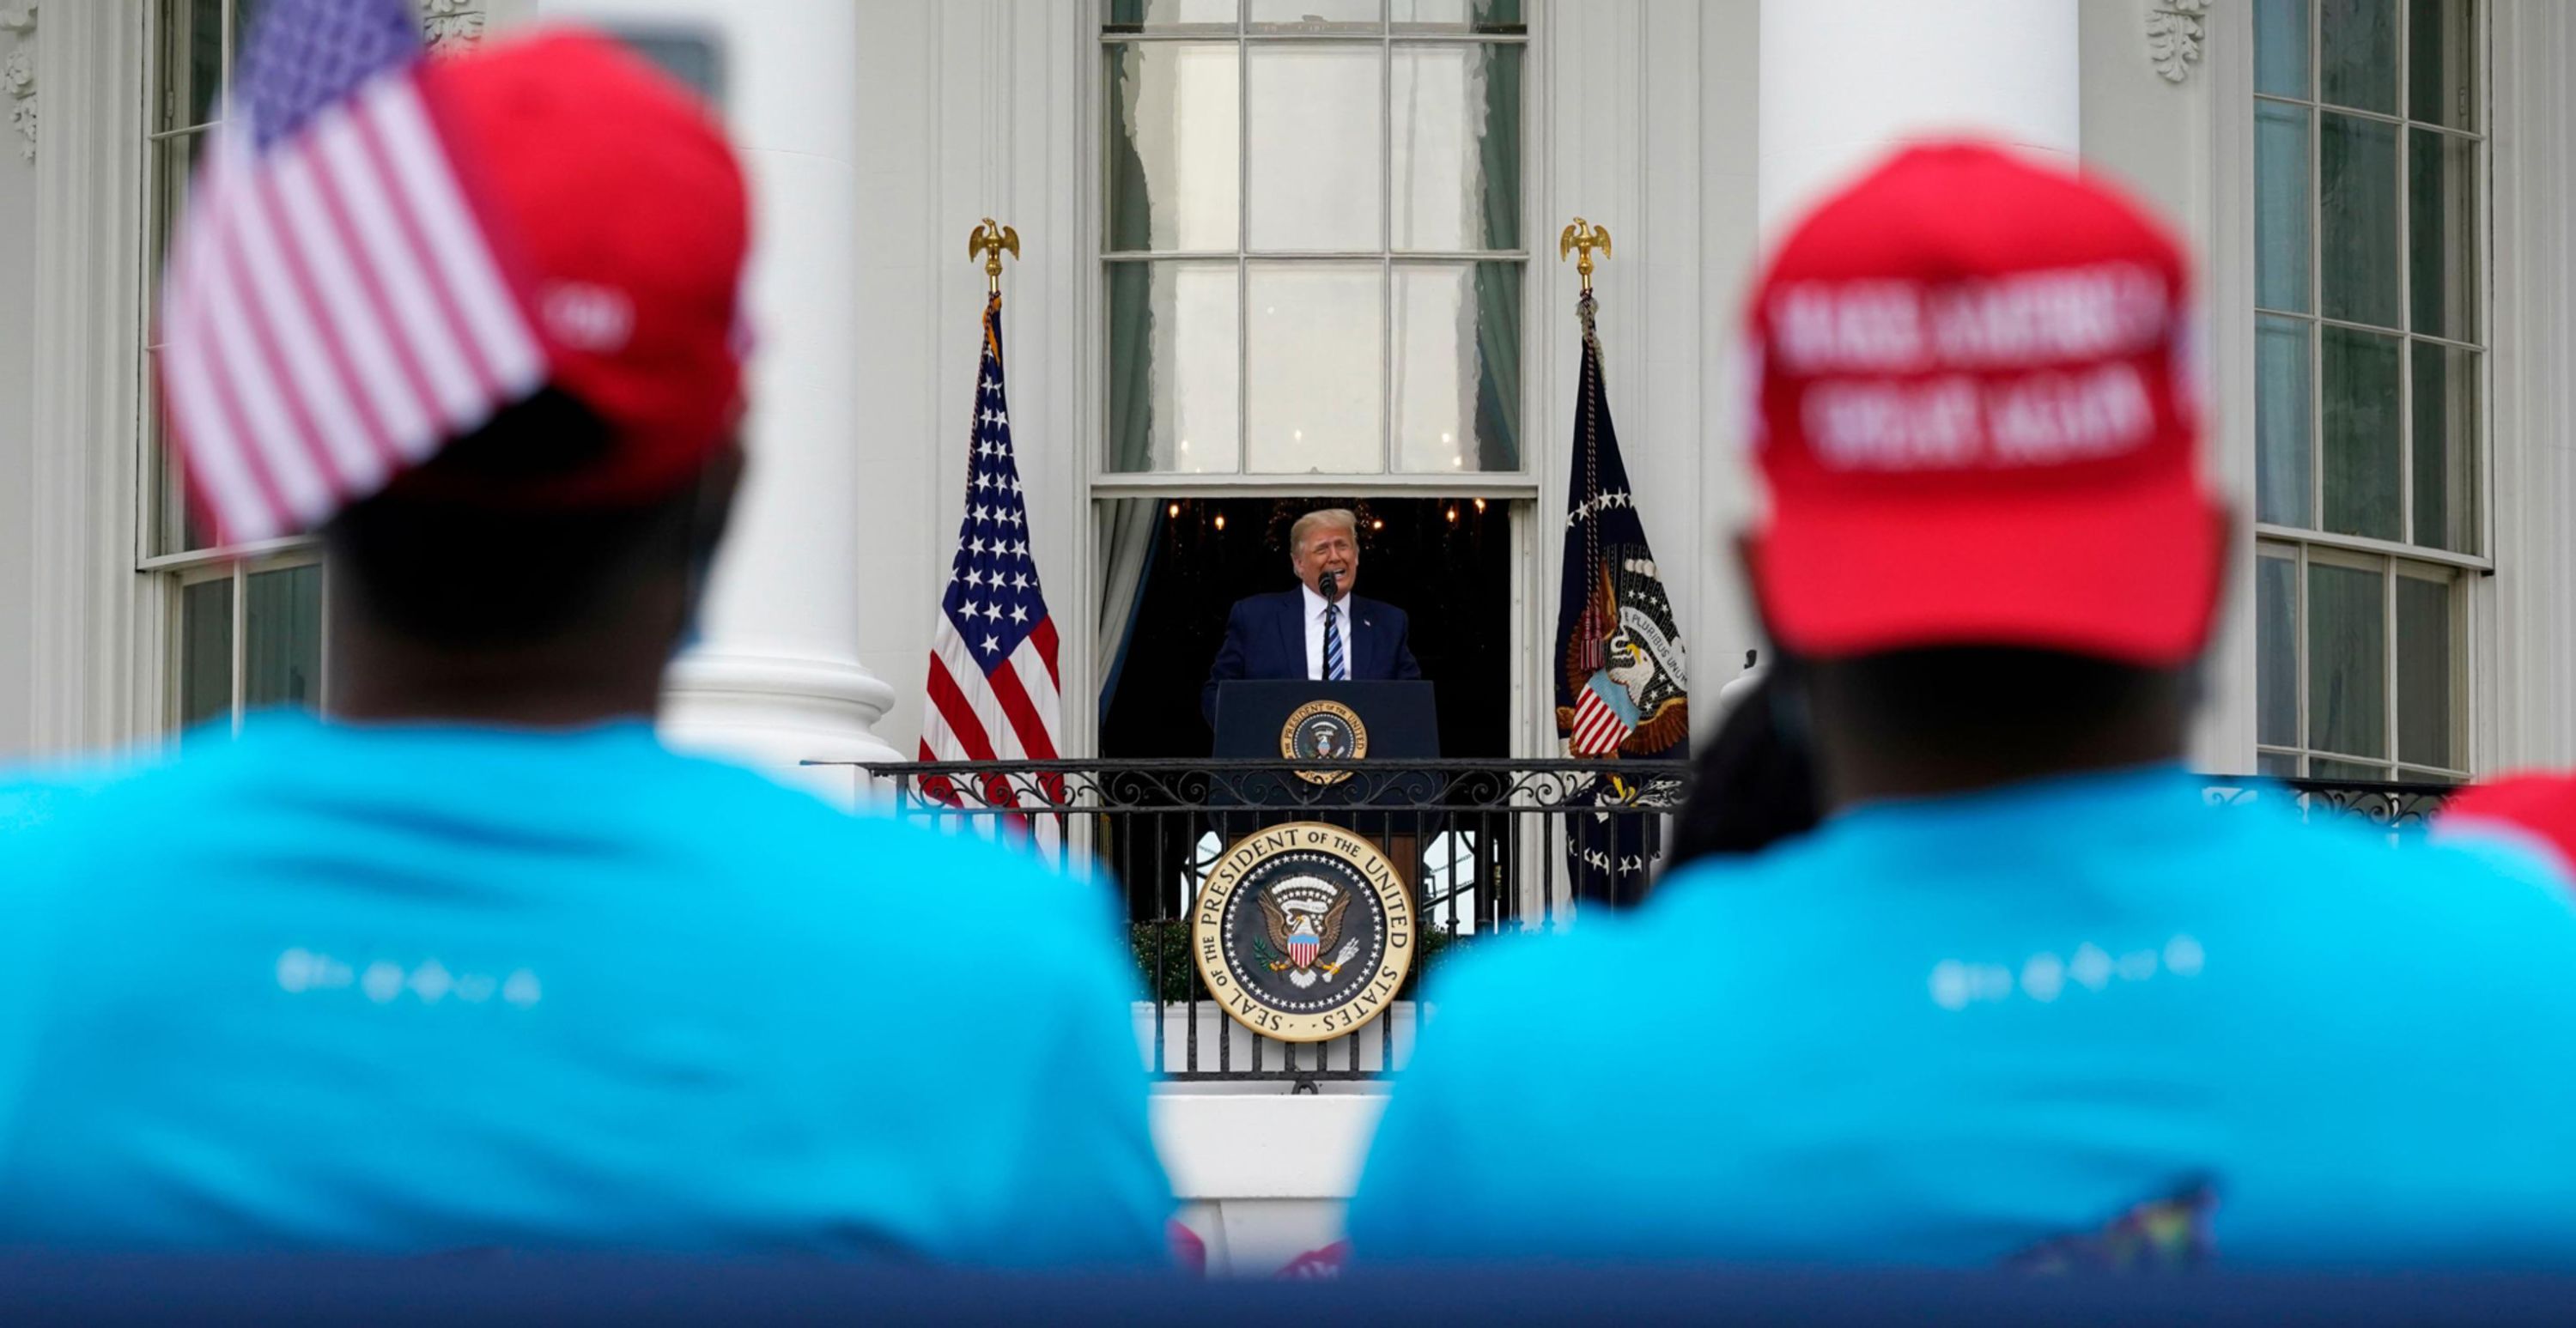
{"x": 521, "y": 454}
{"x": 1991, "y": 553}
{"x": 443, "y": 602}
{"x": 1752, "y": 785}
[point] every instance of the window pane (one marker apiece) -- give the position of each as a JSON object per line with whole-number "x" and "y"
{"x": 2276, "y": 651}
{"x": 2446, "y": 448}
{"x": 205, "y": 651}
{"x": 1172, "y": 367}
{"x": 1457, "y": 16}
{"x": 1173, "y": 112}
{"x": 1164, "y": 15}
{"x": 1457, "y": 367}
{"x": 2442, "y": 63}
{"x": 2276, "y": 765}
{"x": 2424, "y": 641}
{"x": 1315, "y": 354}
{"x": 282, "y": 638}
{"x": 2442, "y": 240}
{"x": 2281, "y": 47}
{"x": 2281, "y": 206}
{"x": 2347, "y": 770}
{"x": 2361, "y": 434}
{"x": 2347, "y": 661}
{"x": 2282, "y": 438}
{"x": 191, "y": 63}
{"x": 2360, "y": 44}
{"x": 1317, "y": 134}
{"x": 2357, "y": 166}
{"x": 1457, "y": 145}
{"x": 1316, "y": 15}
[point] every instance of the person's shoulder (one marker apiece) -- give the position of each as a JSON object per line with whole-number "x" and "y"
{"x": 1268, "y": 601}
{"x": 873, "y": 863}
{"x": 2370, "y": 864}
{"x": 1498, "y": 999}
{"x": 2447, "y": 908}
{"x": 68, "y": 824}
{"x": 64, "y": 798}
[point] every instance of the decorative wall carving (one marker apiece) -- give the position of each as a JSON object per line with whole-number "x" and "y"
{"x": 451, "y": 25}
{"x": 18, "y": 75}
{"x": 2176, "y": 30}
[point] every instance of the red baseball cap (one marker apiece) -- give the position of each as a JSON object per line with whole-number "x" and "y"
{"x": 386, "y": 250}
{"x": 1972, "y": 405}
{"x": 615, "y": 204}
{"x": 2533, "y": 811}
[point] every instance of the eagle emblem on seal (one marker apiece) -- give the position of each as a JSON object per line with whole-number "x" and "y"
{"x": 1304, "y": 920}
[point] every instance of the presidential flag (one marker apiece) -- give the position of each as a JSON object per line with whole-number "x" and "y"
{"x": 1620, "y": 688}
{"x": 333, "y": 309}
{"x": 993, "y": 690}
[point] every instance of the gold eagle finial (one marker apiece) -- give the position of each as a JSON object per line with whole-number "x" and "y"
{"x": 1587, "y": 237}
{"x": 988, "y": 241}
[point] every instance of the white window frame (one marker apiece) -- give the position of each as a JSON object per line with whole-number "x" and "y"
{"x": 2391, "y": 558}
{"x": 1516, "y": 493}
{"x": 1245, "y": 38}
{"x": 165, "y": 572}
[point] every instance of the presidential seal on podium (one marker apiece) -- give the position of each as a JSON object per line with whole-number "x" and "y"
{"x": 1323, "y": 731}
{"x": 1304, "y": 932}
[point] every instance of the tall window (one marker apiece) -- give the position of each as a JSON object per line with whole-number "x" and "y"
{"x": 2369, "y": 123}
{"x": 1313, "y": 236}
{"x": 245, "y": 627}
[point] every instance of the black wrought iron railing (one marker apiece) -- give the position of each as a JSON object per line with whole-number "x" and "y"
{"x": 1486, "y": 847}
{"x": 2402, "y": 808}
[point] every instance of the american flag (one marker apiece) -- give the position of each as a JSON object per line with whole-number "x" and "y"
{"x": 332, "y": 308}
{"x": 993, "y": 691}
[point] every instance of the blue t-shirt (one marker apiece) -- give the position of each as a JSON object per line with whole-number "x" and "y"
{"x": 415, "y": 987}
{"x": 2087, "y": 1018}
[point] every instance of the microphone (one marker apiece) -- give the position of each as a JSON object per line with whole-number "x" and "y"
{"x": 1329, "y": 586}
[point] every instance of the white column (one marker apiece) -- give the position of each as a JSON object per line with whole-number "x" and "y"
{"x": 1845, "y": 81}
{"x": 776, "y": 676}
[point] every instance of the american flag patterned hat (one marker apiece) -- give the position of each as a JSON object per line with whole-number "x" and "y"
{"x": 385, "y": 250}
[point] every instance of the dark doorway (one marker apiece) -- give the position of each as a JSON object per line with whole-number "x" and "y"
{"x": 1445, "y": 561}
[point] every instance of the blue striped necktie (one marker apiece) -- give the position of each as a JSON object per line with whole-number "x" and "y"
{"x": 1335, "y": 668}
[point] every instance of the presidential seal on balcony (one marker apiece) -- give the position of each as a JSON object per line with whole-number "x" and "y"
{"x": 1304, "y": 931}
{"x": 1323, "y": 731}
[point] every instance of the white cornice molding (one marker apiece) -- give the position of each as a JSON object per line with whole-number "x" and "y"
{"x": 449, "y": 26}
{"x": 2176, "y": 30}
{"x": 18, "y": 76}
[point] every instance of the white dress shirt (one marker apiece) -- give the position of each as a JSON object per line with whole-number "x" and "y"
{"x": 1315, "y": 634}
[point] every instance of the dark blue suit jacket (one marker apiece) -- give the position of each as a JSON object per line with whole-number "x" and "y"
{"x": 1265, "y": 637}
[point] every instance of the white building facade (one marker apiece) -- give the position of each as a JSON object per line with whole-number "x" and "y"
{"x": 1245, "y": 223}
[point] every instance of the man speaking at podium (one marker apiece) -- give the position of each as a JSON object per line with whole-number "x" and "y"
{"x": 1319, "y": 630}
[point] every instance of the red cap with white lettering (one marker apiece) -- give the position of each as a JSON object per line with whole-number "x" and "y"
{"x": 1973, "y": 405}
